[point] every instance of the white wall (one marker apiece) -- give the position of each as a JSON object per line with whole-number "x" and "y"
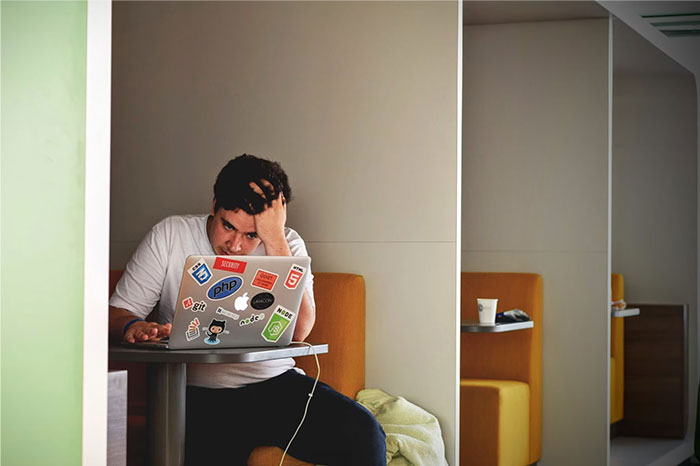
{"x": 535, "y": 199}
{"x": 359, "y": 103}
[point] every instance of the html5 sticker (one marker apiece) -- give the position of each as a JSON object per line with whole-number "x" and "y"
{"x": 264, "y": 279}
{"x": 294, "y": 276}
{"x": 187, "y": 302}
{"x": 230, "y": 265}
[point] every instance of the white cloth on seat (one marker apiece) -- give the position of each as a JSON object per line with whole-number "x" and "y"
{"x": 413, "y": 435}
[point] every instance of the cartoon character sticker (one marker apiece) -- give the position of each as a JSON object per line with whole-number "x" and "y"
{"x": 224, "y": 312}
{"x": 188, "y": 302}
{"x": 264, "y": 279}
{"x": 278, "y": 323}
{"x": 216, "y": 328}
{"x": 294, "y": 276}
{"x": 200, "y": 272}
{"x": 192, "y": 331}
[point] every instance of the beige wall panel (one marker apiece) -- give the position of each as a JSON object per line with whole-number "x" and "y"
{"x": 575, "y": 349}
{"x": 411, "y": 319}
{"x": 535, "y": 129}
{"x": 358, "y": 100}
{"x": 535, "y": 199}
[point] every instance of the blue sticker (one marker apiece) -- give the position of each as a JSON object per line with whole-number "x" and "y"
{"x": 224, "y": 288}
{"x": 200, "y": 272}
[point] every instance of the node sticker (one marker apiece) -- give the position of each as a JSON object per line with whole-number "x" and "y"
{"x": 262, "y": 301}
{"x": 201, "y": 306}
{"x": 192, "y": 330}
{"x": 252, "y": 319}
{"x": 200, "y": 272}
{"x": 294, "y": 276}
{"x": 224, "y": 288}
{"x": 226, "y": 313}
{"x": 187, "y": 302}
{"x": 230, "y": 265}
{"x": 264, "y": 279}
{"x": 278, "y": 323}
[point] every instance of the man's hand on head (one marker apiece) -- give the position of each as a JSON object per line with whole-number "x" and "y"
{"x": 269, "y": 224}
{"x": 144, "y": 331}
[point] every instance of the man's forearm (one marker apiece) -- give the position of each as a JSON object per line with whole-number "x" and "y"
{"x": 118, "y": 318}
{"x": 305, "y": 320}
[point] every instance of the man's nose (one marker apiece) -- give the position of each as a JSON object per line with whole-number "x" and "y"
{"x": 236, "y": 241}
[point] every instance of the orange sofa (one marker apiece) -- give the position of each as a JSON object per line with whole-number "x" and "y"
{"x": 501, "y": 375}
{"x": 340, "y": 322}
{"x": 617, "y": 353}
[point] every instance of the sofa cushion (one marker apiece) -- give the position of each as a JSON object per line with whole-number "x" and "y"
{"x": 494, "y": 409}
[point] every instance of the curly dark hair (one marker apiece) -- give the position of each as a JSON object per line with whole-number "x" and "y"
{"x": 232, "y": 189}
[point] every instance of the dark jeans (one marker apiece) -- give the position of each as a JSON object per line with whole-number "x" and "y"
{"x": 224, "y": 425}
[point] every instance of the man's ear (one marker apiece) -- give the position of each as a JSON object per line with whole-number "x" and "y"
{"x": 213, "y": 207}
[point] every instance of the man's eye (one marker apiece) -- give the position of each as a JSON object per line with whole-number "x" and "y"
{"x": 228, "y": 227}
{"x": 252, "y": 235}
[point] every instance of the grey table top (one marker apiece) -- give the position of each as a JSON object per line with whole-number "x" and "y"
{"x": 213, "y": 356}
{"x": 628, "y": 312}
{"x": 476, "y": 327}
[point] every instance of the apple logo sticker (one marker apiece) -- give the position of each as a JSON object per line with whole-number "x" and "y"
{"x": 241, "y": 303}
{"x": 262, "y": 301}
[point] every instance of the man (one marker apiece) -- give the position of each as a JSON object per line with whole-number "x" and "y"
{"x": 233, "y": 408}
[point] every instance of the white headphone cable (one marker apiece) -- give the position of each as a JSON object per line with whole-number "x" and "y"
{"x": 311, "y": 394}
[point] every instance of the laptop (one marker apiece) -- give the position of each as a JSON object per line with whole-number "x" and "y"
{"x": 236, "y": 301}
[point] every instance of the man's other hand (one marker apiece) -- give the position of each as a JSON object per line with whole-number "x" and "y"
{"x": 144, "y": 331}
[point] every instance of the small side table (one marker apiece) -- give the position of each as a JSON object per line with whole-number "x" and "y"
{"x": 476, "y": 327}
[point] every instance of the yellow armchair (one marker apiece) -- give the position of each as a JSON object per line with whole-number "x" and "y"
{"x": 501, "y": 375}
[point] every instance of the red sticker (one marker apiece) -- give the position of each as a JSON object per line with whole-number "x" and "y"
{"x": 187, "y": 303}
{"x": 295, "y": 274}
{"x": 264, "y": 279}
{"x": 230, "y": 265}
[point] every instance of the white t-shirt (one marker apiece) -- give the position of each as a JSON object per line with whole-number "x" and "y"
{"x": 152, "y": 278}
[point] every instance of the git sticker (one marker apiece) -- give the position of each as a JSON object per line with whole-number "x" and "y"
{"x": 200, "y": 272}
{"x": 278, "y": 323}
{"x": 293, "y": 277}
{"x": 192, "y": 330}
{"x": 264, "y": 279}
{"x": 230, "y": 265}
{"x": 200, "y": 306}
{"x": 187, "y": 302}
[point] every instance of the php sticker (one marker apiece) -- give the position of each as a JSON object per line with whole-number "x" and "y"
{"x": 192, "y": 330}
{"x": 230, "y": 265}
{"x": 252, "y": 319}
{"x": 226, "y": 313}
{"x": 262, "y": 301}
{"x": 224, "y": 288}
{"x": 278, "y": 323}
{"x": 264, "y": 279}
{"x": 294, "y": 276}
{"x": 200, "y": 306}
{"x": 187, "y": 302}
{"x": 200, "y": 272}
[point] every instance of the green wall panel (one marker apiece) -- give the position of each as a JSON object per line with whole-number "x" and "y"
{"x": 42, "y": 219}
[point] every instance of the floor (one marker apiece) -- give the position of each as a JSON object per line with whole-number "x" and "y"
{"x": 638, "y": 451}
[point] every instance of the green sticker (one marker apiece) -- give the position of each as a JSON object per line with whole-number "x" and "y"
{"x": 278, "y": 323}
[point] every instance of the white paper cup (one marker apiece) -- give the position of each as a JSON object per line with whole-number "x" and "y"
{"x": 487, "y": 310}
